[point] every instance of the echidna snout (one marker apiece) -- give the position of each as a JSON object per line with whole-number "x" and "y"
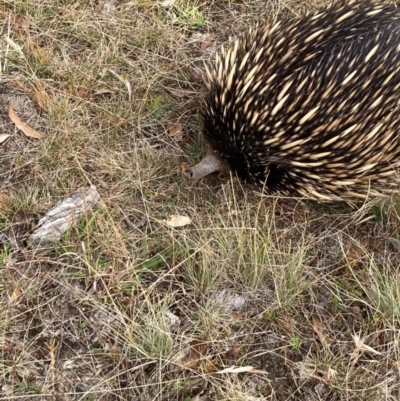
{"x": 208, "y": 165}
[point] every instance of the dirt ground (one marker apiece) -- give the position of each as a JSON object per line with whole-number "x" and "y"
{"x": 257, "y": 298}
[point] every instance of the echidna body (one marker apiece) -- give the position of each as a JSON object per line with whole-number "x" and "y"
{"x": 310, "y": 107}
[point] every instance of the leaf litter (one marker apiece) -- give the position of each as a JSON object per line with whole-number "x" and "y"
{"x": 177, "y": 220}
{"x": 26, "y": 129}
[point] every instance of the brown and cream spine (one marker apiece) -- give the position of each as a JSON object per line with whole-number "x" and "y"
{"x": 310, "y": 107}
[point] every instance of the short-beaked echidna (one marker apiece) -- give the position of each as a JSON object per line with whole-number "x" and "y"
{"x": 309, "y": 107}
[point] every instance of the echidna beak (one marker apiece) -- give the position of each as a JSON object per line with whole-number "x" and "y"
{"x": 210, "y": 164}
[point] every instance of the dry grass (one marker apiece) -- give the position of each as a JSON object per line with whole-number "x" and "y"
{"x": 307, "y": 295}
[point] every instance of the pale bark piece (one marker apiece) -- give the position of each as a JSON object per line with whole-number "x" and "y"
{"x": 242, "y": 369}
{"x": 65, "y": 214}
{"x": 179, "y": 221}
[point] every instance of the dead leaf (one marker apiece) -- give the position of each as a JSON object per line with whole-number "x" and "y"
{"x": 287, "y": 324}
{"x": 321, "y": 331}
{"x": 178, "y": 221}
{"x": 181, "y": 93}
{"x": 353, "y": 255}
{"x": 167, "y": 3}
{"x": 6, "y": 343}
{"x": 242, "y": 369}
{"x": 25, "y": 128}
{"x": 173, "y": 321}
{"x": 4, "y": 137}
{"x": 191, "y": 356}
{"x": 175, "y": 132}
{"x": 229, "y": 301}
{"x": 69, "y": 364}
{"x": 3, "y": 203}
{"x": 14, "y": 45}
{"x": 7, "y": 389}
{"x": 104, "y": 6}
{"x": 258, "y": 372}
{"x": 207, "y": 41}
{"x": 124, "y": 81}
{"x": 100, "y": 226}
{"x": 103, "y": 91}
{"x": 16, "y": 294}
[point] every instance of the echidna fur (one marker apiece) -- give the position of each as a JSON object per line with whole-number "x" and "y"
{"x": 309, "y": 107}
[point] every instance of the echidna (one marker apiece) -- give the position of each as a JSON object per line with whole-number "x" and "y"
{"x": 309, "y": 107}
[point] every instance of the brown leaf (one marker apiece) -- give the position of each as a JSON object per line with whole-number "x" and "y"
{"x": 175, "y": 132}
{"x": 321, "y": 331}
{"x": 3, "y": 203}
{"x": 191, "y": 356}
{"x": 207, "y": 41}
{"x": 16, "y": 294}
{"x": 287, "y": 324}
{"x": 25, "y": 128}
